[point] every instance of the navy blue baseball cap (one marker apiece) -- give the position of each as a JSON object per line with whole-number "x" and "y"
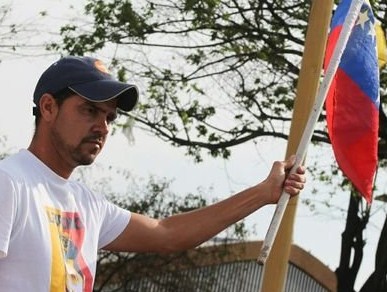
{"x": 89, "y": 78}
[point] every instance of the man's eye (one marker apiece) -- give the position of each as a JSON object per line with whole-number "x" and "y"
{"x": 91, "y": 110}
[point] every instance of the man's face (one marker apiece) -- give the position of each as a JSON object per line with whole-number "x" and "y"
{"x": 80, "y": 129}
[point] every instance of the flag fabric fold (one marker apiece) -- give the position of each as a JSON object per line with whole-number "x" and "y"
{"x": 352, "y": 103}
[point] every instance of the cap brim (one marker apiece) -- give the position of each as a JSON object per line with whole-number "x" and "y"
{"x": 104, "y": 90}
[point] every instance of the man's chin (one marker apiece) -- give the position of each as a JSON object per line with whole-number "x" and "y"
{"x": 86, "y": 162}
{"x": 86, "y": 159}
{"x": 86, "y": 153}
{"x": 89, "y": 158}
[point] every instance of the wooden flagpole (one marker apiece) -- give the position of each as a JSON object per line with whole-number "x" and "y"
{"x": 312, "y": 120}
{"x": 275, "y": 268}
{"x": 349, "y": 22}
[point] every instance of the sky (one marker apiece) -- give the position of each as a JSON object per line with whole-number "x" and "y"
{"x": 319, "y": 234}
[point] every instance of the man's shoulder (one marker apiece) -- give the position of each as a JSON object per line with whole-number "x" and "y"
{"x": 16, "y": 165}
{"x": 12, "y": 163}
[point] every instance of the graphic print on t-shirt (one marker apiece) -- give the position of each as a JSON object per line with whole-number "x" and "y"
{"x": 69, "y": 271}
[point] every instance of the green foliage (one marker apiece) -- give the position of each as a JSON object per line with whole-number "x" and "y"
{"x": 204, "y": 65}
{"x": 215, "y": 73}
{"x": 120, "y": 14}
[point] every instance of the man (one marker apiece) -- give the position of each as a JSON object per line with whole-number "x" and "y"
{"x": 51, "y": 227}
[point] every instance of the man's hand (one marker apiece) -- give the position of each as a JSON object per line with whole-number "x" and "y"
{"x": 279, "y": 179}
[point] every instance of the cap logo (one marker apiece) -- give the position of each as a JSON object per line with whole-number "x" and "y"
{"x": 101, "y": 66}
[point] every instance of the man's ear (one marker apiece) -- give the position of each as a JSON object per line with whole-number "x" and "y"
{"x": 48, "y": 107}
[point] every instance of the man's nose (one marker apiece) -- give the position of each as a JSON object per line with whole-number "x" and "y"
{"x": 102, "y": 125}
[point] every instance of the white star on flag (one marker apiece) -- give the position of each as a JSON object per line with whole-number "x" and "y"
{"x": 363, "y": 18}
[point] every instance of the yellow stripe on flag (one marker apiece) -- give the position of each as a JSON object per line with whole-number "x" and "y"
{"x": 381, "y": 45}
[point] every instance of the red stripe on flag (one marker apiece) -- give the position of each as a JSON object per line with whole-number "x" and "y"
{"x": 353, "y": 127}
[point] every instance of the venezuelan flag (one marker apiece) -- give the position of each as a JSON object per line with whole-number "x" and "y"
{"x": 352, "y": 103}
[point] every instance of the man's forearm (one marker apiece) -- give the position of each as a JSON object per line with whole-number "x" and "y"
{"x": 190, "y": 229}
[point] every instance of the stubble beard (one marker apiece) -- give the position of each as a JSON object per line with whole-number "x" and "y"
{"x": 78, "y": 155}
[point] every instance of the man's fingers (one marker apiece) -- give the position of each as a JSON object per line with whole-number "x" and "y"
{"x": 290, "y": 162}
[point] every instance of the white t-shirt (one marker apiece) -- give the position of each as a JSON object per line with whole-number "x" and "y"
{"x": 50, "y": 228}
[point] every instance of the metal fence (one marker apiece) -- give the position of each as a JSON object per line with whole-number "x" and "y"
{"x": 243, "y": 276}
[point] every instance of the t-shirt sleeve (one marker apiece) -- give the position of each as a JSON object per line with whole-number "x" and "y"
{"x": 7, "y": 212}
{"x": 114, "y": 222}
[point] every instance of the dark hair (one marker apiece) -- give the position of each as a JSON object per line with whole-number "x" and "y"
{"x": 60, "y": 96}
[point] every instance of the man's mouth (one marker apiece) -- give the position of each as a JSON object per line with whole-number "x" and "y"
{"x": 97, "y": 143}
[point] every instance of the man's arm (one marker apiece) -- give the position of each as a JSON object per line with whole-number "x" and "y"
{"x": 187, "y": 230}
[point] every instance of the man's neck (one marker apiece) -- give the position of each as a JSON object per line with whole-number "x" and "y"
{"x": 52, "y": 160}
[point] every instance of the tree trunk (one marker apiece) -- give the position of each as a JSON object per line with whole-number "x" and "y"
{"x": 352, "y": 244}
{"x": 377, "y": 281}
